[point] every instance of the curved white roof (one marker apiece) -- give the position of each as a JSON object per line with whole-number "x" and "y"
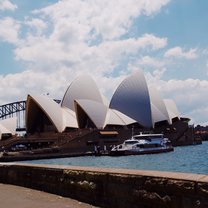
{"x": 172, "y": 109}
{"x": 8, "y": 126}
{"x": 49, "y": 106}
{"x": 115, "y": 117}
{"x": 84, "y": 87}
{"x": 101, "y": 115}
{"x": 3, "y": 130}
{"x": 159, "y": 111}
{"x": 69, "y": 118}
{"x": 60, "y": 117}
{"x": 96, "y": 111}
{"x": 157, "y": 116}
{"x": 105, "y": 100}
{"x": 132, "y": 99}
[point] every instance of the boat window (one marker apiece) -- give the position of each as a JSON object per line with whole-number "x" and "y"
{"x": 131, "y": 142}
{"x": 148, "y": 137}
{"x": 146, "y": 146}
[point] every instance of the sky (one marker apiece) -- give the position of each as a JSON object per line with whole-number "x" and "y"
{"x": 44, "y": 45}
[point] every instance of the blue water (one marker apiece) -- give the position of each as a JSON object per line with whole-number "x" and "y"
{"x": 191, "y": 159}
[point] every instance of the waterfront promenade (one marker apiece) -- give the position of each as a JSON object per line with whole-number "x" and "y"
{"x": 104, "y": 187}
{"x": 20, "y": 197}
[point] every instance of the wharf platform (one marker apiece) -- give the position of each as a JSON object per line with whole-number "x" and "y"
{"x": 20, "y": 156}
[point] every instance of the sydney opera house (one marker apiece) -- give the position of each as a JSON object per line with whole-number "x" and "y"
{"x": 83, "y": 106}
{"x": 84, "y": 117}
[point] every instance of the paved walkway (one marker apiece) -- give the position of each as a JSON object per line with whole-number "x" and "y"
{"x": 20, "y": 197}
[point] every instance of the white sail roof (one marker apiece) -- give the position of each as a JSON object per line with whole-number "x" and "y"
{"x": 158, "y": 108}
{"x": 8, "y": 126}
{"x": 83, "y": 106}
{"x": 69, "y": 118}
{"x": 3, "y": 130}
{"x": 115, "y": 117}
{"x": 157, "y": 116}
{"x": 172, "y": 109}
{"x": 60, "y": 117}
{"x": 105, "y": 100}
{"x": 84, "y": 87}
{"x": 132, "y": 99}
{"x": 96, "y": 111}
{"x": 49, "y": 107}
{"x": 101, "y": 115}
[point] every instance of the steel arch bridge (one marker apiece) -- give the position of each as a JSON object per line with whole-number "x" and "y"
{"x": 16, "y": 109}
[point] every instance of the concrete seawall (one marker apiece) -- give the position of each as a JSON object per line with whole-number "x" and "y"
{"x": 112, "y": 187}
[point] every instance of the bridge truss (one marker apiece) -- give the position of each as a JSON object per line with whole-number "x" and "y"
{"x": 15, "y": 109}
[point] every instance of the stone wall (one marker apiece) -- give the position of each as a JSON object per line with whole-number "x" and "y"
{"x": 112, "y": 187}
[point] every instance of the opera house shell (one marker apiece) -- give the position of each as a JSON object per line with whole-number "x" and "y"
{"x": 7, "y": 127}
{"x": 132, "y": 104}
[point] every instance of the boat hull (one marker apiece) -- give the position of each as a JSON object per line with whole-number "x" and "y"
{"x": 140, "y": 152}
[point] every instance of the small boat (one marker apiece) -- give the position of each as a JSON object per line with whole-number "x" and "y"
{"x": 143, "y": 144}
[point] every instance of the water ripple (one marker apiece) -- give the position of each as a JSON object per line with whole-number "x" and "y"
{"x": 192, "y": 159}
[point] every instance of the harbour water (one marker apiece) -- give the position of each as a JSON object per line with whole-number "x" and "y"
{"x": 190, "y": 159}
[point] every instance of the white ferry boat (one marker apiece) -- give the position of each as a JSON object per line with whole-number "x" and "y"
{"x": 143, "y": 144}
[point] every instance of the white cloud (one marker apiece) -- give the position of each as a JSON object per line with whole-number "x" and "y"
{"x": 190, "y": 95}
{"x": 37, "y": 24}
{"x": 103, "y": 58}
{"x": 109, "y": 19}
{"x": 16, "y": 86}
{"x": 150, "y": 7}
{"x": 178, "y": 52}
{"x": 199, "y": 115}
{"x": 7, "y": 5}
{"x": 9, "y": 29}
{"x": 205, "y": 51}
{"x": 86, "y": 35}
{"x": 150, "y": 61}
{"x": 75, "y": 37}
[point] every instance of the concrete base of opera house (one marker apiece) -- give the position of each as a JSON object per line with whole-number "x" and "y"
{"x": 112, "y": 187}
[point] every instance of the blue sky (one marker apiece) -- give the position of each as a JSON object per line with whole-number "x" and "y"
{"x": 8, "y": 64}
{"x": 46, "y": 44}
